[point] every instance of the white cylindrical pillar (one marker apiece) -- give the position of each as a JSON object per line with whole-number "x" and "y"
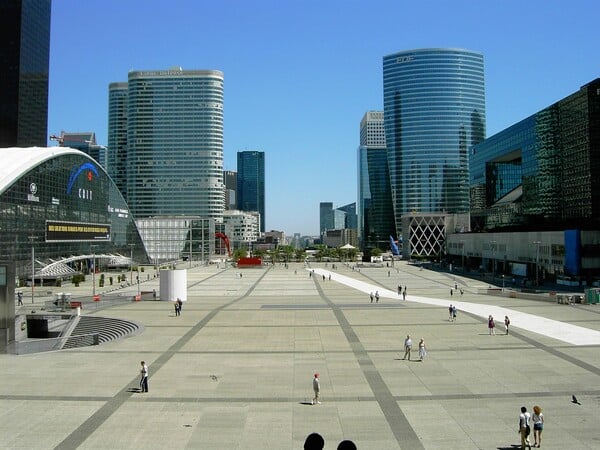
{"x": 173, "y": 285}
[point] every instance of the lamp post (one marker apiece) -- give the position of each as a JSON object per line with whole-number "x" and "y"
{"x": 32, "y": 239}
{"x": 537, "y": 260}
{"x": 93, "y": 248}
{"x": 502, "y": 282}
{"x": 131, "y": 262}
{"x": 493, "y": 245}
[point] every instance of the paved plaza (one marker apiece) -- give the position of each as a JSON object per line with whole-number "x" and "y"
{"x": 235, "y": 370}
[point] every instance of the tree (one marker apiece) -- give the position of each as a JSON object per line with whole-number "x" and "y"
{"x": 376, "y": 252}
{"x": 239, "y": 253}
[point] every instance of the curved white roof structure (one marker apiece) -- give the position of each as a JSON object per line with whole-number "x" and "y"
{"x": 18, "y": 160}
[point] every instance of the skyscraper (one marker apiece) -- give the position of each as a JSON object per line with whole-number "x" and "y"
{"x": 434, "y": 109}
{"x": 24, "y": 63}
{"x": 174, "y": 145}
{"x": 374, "y": 207}
{"x": 251, "y": 183}
{"x": 117, "y": 135}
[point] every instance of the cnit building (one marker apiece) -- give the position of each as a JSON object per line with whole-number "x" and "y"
{"x": 535, "y": 196}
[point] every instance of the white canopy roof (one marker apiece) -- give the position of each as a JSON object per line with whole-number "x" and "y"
{"x": 15, "y": 161}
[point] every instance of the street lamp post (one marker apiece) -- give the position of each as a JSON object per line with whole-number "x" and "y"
{"x": 537, "y": 260}
{"x": 131, "y": 262}
{"x": 93, "y": 247}
{"x": 493, "y": 245}
{"x": 502, "y": 282}
{"x": 32, "y": 239}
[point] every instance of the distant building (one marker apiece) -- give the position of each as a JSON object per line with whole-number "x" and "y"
{"x": 117, "y": 134}
{"x": 174, "y": 145}
{"x": 330, "y": 218}
{"x": 86, "y": 142}
{"x": 434, "y": 111}
{"x": 251, "y": 183}
{"x": 241, "y": 227}
{"x": 230, "y": 181}
{"x": 339, "y": 238}
{"x": 350, "y": 219}
{"x": 24, "y": 66}
{"x": 375, "y": 214}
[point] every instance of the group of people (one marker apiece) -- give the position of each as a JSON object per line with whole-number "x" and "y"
{"x": 315, "y": 441}
{"x": 403, "y": 292}
{"x": 452, "y": 313}
{"x": 408, "y": 348}
{"x": 492, "y": 325}
{"x": 376, "y": 296}
{"x": 525, "y": 421}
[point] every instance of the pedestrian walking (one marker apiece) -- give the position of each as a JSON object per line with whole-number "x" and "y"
{"x": 422, "y": 349}
{"x": 538, "y": 425}
{"x": 407, "y": 347}
{"x": 177, "y": 311}
{"x": 451, "y": 292}
{"x": 376, "y": 296}
{"x": 524, "y": 428}
{"x": 491, "y": 326}
{"x": 19, "y": 298}
{"x": 454, "y": 313}
{"x": 506, "y": 323}
{"x": 450, "y": 313}
{"x": 399, "y": 289}
{"x": 371, "y": 297}
{"x": 180, "y": 303}
{"x": 317, "y": 388}
{"x": 329, "y": 277}
{"x": 144, "y": 377}
{"x": 404, "y": 295}
{"x": 153, "y": 294}
{"x": 461, "y": 292}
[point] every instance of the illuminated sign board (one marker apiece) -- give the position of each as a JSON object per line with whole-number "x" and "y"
{"x": 76, "y": 231}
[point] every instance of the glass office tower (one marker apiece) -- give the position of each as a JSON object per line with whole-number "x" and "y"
{"x": 117, "y": 135}
{"x": 174, "y": 149}
{"x": 251, "y": 183}
{"x": 434, "y": 111}
{"x": 24, "y": 63}
{"x": 543, "y": 172}
{"x": 374, "y": 208}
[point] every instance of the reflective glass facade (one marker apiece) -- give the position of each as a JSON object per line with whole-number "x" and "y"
{"x": 24, "y": 63}
{"x": 66, "y": 186}
{"x": 251, "y": 183}
{"x": 553, "y": 157}
{"x": 374, "y": 209}
{"x": 174, "y": 157}
{"x": 434, "y": 111}
{"x": 117, "y": 135}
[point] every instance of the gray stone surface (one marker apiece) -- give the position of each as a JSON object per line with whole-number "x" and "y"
{"x": 234, "y": 370}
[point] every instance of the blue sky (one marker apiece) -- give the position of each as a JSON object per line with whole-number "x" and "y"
{"x": 299, "y": 75}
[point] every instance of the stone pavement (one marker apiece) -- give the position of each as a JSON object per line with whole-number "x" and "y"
{"x": 234, "y": 371}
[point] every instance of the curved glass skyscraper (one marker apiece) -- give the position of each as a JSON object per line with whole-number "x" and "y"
{"x": 434, "y": 109}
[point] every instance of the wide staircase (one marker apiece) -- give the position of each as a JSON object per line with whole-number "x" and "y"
{"x": 93, "y": 330}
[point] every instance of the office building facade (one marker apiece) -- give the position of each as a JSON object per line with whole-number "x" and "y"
{"x": 24, "y": 66}
{"x": 174, "y": 147}
{"x": 251, "y": 183}
{"x": 230, "y": 181}
{"x": 117, "y": 135}
{"x": 375, "y": 215}
{"x": 542, "y": 173}
{"x": 434, "y": 111}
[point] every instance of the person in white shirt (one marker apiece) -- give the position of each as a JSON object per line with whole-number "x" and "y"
{"x": 538, "y": 425}
{"x": 524, "y": 429}
{"x": 144, "y": 378}
{"x": 407, "y": 347}
{"x": 317, "y": 389}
